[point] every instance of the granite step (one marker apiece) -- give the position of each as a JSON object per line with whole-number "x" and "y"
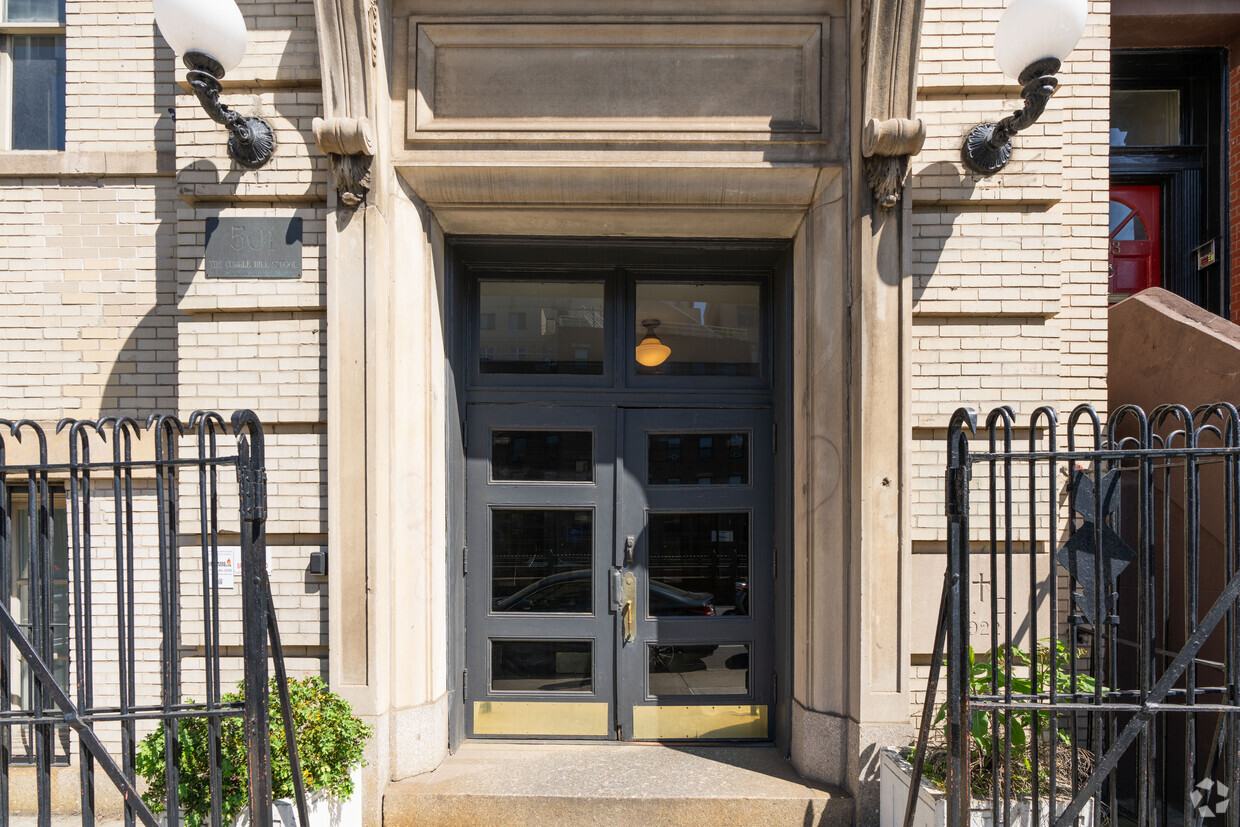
{"x": 637, "y": 785}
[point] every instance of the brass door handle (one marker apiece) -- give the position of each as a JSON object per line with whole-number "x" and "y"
{"x": 628, "y": 606}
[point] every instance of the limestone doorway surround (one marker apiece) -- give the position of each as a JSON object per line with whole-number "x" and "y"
{"x": 694, "y": 119}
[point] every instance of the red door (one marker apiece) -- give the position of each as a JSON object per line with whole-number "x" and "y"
{"x": 1135, "y": 238}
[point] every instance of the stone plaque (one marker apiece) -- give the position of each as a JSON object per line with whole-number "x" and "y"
{"x": 926, "y": 585}
{"x": 628, "y": 77}
{"x": 253, "y": 248}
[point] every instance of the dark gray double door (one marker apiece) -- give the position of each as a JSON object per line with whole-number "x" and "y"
{"x": 618, "y": 572}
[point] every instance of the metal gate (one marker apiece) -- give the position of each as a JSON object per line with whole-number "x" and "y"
{"x": 109, "y": 523}
{"x": 1096, "y": 679}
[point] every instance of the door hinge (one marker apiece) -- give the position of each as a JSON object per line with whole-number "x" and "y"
{"x": 253, "y": 485}
{"x": 775, "y": 684}
{"x": 774, "y": 564}
{"x": 465, "y": 683}
{"x": 957, "y": 490}
{"x": 464, "y": 559}
{"x": 464, "y": 431}
{"x": 774, "y": 428}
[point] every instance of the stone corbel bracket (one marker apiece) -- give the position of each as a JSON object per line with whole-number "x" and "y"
{"x": 887, "y": 145}
{"x": 349, "y": 144}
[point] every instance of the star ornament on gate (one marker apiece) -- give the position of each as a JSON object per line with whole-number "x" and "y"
{"x": 1209, "y": 799}
{"x": 1079, "y": 555}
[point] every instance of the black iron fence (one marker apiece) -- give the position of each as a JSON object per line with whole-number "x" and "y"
{"x": 107, "y": 534}
{"x": 1090, "y": 619}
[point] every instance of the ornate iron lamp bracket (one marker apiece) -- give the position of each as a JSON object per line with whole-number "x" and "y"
{"x": 250, "y": 139}
{"x": 988, "y": 147}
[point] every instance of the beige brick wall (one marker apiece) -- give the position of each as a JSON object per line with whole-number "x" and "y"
{"x": 261, "y": 343}
{"x": 118, "y": 84}
{"x": 273, "y": 361}
{"x": 107, "y": 310}
{"x": 89, "y": 312}
{"x": 1009, "y": 271}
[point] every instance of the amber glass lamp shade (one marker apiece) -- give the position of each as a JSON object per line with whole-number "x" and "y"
{"x": 651, "y": 352}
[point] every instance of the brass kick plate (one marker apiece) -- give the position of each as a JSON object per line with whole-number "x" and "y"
{"x": 652, "y": 722}
{"x": 540, "y": 718}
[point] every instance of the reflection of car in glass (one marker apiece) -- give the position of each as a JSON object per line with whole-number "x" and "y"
{"x": 570, "y": 592}
{"x": 740, "y": 598}
{"x": 564, "y": 592}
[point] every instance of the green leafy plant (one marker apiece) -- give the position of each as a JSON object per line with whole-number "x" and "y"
{"x": 989, "y": 729}
{"x": 330, "y": 742}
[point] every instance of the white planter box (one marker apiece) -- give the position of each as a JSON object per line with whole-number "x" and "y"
{"x": 895, "y": 774}
{"x": 321, "y": 809}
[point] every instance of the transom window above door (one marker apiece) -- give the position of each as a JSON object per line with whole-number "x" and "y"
{"x": 708, "y": 329}
{"x": 541, "y": 327}
{"x": 621, "y": 328}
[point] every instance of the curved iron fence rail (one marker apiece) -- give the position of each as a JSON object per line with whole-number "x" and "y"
{"x": 79, "y": 558}
{"x": 1103, "y": 677}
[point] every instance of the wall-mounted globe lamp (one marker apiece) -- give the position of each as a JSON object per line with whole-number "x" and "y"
{"x": 652, "y": 352}
{"x": 1032, "y": 40}
{"x": 209, "y": 35}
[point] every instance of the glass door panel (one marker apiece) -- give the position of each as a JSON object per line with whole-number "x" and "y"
{"x": 539, "y": 629}
{"x": 541, "y": 560}
{"x": 698, "y": 564}
{"x": 696, "y": 660}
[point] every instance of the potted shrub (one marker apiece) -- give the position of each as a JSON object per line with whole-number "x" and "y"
{"x": 895, "y": 769}
{"x": 330, "y": 742}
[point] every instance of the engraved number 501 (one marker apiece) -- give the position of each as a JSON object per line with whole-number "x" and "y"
{"x": 253, "y": 237}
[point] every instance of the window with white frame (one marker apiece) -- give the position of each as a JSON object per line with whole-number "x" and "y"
{"x": 32, "y": 74}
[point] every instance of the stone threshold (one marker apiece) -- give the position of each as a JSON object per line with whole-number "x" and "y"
{"x": 642, "y": 785}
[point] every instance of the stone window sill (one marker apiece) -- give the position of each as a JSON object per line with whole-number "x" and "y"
{"x": 20, "y": 163}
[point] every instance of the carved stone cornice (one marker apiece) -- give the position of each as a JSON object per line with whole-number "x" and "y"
{"x": 891, "y": 135}
{"x": 887, "y": 146}
{"x": 348, "y": 35}
{"x": 349, "y": 144}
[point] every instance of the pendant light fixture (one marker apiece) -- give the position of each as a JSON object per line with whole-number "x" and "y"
{"x": 652, "y": 352}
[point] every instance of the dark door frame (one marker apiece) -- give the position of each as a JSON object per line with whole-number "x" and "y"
{"x": 1193, "y": 174}
{"x": 705, "y": 258}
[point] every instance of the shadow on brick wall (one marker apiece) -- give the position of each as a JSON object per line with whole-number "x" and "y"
{"x": 143, "y": 379}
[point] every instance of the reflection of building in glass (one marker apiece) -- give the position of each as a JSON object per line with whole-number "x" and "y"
{"x": 548, "y": 328}
{"x": 712, "y": 329}
{"x": 531, "y": 545}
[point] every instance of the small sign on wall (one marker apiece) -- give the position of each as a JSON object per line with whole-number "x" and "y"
{"x": 253, "y": 248}
{"x": 228, "y": 567}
